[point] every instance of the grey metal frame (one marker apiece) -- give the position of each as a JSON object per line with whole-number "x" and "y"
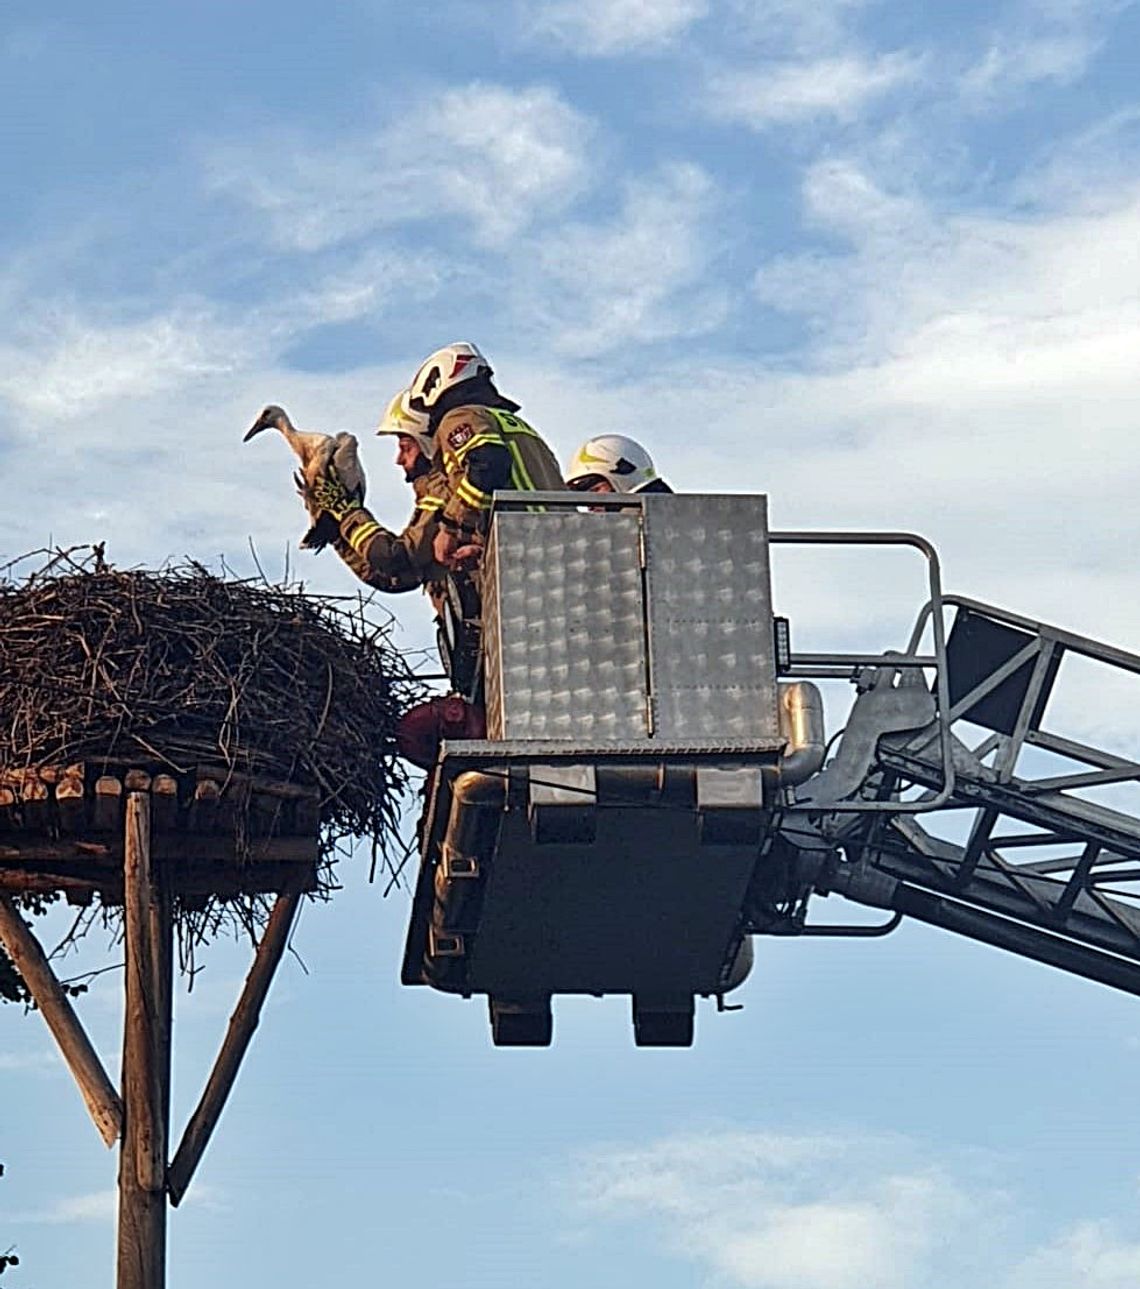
{"x": 1078, "y": 910}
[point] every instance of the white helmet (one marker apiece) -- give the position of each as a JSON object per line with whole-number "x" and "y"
{"x": 398, "y": 418}
{"x": 442, "y": 371}
{"x": 622, "y": 463}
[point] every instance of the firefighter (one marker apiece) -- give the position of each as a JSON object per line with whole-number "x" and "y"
{"x": 613, "y": 463}
{"x": 481, "y": 445}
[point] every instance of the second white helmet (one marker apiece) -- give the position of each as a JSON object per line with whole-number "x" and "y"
{"x": 622, "y": 463}
{"x": 443, "y": 370}
{"x": 398, "y": 418}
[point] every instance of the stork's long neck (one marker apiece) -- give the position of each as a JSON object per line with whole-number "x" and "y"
{"x": 291, "y": 434}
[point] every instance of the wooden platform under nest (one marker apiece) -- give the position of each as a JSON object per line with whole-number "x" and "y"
{"x": 216, "y": 832}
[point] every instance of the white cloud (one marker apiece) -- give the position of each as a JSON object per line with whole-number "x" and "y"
{"x": 1008, "y": 294}
{"x": 60, "y": 361}
{"x": 497, "y": 157}
{"x": 811, "y": 64}
{"x": 969, "y": 376}
{"x": 790, "y": 26}
{"x": 1087, "y": 170}
{"x": 1055, "y": 41}
{"x": 1091, "y": 1255}
{"x": 637, "y": 278}
{"x": 768, "y": 1210}
{"x": 102, "y": 1206}
{"x": 375, "y": 282}
{"x": 839, "y": 87}
{"x": 977, "y": 371}
{"x": 96, "y": 1206}
{"x": 780, "y": 1211}
{"x": 605, "y": 28}
{"x": 64, "y": 363}
{"x": 1010, "y": 64}
{"x": 30, "y": 1062}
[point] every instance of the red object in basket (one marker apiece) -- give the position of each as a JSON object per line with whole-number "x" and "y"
{"x": 423, "y": 728}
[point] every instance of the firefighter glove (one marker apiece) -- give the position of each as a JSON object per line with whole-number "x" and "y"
{"x": 329, "y": 495}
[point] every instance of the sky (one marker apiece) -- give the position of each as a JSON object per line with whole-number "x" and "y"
{"x": 878, "y": 261}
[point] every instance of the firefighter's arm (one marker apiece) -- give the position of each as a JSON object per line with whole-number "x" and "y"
{"x": 477, "y": 461}
{"x": 394, "y": 561}
{"x": 371, "y": 575}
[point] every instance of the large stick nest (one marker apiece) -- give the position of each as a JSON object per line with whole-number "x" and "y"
{"x": 179, "y": 667}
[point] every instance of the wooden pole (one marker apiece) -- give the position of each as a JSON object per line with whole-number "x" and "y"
{"x": 242, "y": 1024}
{"x": 75, "y": 1047}
{"x": 146, "y": 1058}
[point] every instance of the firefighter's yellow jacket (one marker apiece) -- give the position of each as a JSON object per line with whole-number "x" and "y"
{"x": 484, "y": 448}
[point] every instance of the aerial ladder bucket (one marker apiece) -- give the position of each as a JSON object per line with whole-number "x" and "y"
{"x": 601, "y": 839}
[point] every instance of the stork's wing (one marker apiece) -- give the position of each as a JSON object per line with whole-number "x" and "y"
{"x": 346, "y": 461}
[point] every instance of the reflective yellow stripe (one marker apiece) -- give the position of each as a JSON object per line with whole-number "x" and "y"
{"x": 466, "y": 491}
{"x": 431, "y": 503}
{"x": 511, "y": 424}
{"x": 361, "y": 536}
{"x": 476, "y": 441}
{"x": 520, "y": 476}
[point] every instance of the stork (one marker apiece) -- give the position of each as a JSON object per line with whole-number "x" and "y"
{"x": 316, "y": 452}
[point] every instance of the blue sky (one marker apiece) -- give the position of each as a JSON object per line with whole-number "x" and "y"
{"x": 880, "y": 261}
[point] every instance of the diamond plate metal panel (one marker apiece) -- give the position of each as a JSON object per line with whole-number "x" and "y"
{"x": 712, "y": 672}
{"x": 564, "y": 629}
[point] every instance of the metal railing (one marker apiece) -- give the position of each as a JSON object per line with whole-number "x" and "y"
{"x": 843, "y": 666}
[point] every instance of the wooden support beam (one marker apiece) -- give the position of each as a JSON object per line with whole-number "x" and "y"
{"x": 146, "y": 1057}
{"x": 75, "y": 1047}
{"x": 108, "y": 800}
{"x": 69, "y": 800}
{"x": 242, "y": 1024}
{"x": 230, "y": 779}
{"x": 182, "y": 847}
{"x": 8, "y": 818}
{"x": 17, "y": 882}
{"x": 34, "y": 798}
{"x": 204, "y": 807}
{"x": 164, "y": 801}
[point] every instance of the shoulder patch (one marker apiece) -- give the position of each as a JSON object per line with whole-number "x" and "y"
{"x": 461, "y": 434}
